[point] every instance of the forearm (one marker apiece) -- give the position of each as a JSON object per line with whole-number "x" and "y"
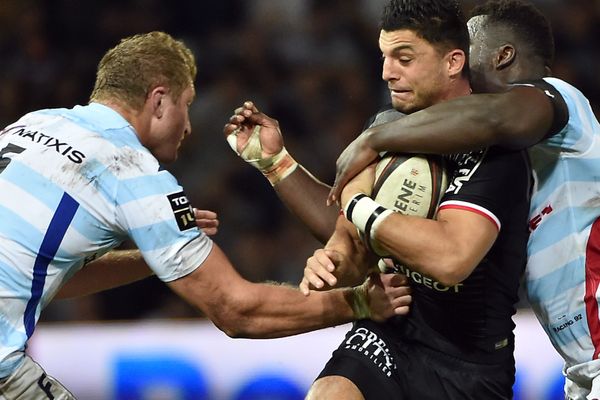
{"x": 357, "y": 261}
{"x": 467, "y": 123}
{"x": 116, "y": 268}
{"x": 271, "y": 311}
{"x": 259, "y": 310}
{"x": 305, "y": 196}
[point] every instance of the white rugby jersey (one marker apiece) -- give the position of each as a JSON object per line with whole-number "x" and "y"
{"x": 75, "y": 183}
{"x": 563, "y": 270}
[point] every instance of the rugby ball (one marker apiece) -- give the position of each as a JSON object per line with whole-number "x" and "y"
{"x": 410, "y": 184}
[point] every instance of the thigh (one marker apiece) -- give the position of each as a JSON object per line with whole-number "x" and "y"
{"x": 364, "y": 362}
{"x": 30, "y": 381}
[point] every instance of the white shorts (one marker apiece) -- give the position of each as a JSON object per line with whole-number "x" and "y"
{"x": 30, "y": 381}
{"x": 577, "y": 391}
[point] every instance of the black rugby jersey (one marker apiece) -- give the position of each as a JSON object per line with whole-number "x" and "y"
{"x": 475, "y": 316}
{"x": 473, "y": 319}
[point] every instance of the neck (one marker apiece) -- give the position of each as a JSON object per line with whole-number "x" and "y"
{"x": 135, "y": 118}
{"x": 460, "y": 87}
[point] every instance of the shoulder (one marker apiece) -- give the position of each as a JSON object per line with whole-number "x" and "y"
{"x": 384, "y": 115}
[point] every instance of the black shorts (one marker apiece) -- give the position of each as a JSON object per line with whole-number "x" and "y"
{"x": 383, "y": 368}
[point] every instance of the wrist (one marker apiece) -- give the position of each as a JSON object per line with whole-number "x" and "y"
{"x": 367, "y": 215}
{"x": 278, "y": 167}
{"x": 275, "y": 167}
{"x": 360, "y": 302}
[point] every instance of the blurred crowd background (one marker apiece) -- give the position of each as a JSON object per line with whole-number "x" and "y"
{"x": 312, "y": 64}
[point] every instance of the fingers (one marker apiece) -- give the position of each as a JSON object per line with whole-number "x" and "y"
{"x": 398, "y": 292}
{"x": 207, "y": 221}
{"x": 241, "y": 116}
{"x": 305, "y": 286}
{"x": 319, "y": 270}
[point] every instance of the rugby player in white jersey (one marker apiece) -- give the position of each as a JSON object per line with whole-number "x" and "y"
{"x": 511, "y": 51}
{"x": 77, "y": 182}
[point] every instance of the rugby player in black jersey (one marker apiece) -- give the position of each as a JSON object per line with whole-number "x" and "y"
{"x": 464, "y": 267}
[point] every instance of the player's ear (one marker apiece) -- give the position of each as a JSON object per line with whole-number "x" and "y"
{"x": 506, "y": 56}
{"x": 156, "y": 97}
{"x": 456, "y": 62}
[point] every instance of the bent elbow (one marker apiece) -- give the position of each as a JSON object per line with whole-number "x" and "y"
{"x": 451, "y": 272}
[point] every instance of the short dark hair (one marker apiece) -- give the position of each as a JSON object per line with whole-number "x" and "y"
{"x": 527, "y": 22}
{"x": 440, "y": 22}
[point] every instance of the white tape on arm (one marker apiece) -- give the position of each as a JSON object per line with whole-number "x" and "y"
{"x": 275, "y": 168}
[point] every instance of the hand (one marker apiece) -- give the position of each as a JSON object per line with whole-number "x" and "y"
{"x": 388, "y": 295}
{"x": 319, "y": 270}
{"x": 353, "y": 159}
{"x": 361, "y": 183}
{"x": 207, "y": 221}
{"x": 249, "y": 127}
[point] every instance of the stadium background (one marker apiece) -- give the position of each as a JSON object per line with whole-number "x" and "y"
{"x": 313, "y": 65}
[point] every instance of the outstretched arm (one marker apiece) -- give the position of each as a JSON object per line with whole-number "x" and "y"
{"x": 257, "y": 139}
{"x": 244, "y": 309}
{"x": 517, "y": 118}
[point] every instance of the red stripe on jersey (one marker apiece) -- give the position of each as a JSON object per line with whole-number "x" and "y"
{"x": 592, "y": 281}
{"x": 467, "y": 208}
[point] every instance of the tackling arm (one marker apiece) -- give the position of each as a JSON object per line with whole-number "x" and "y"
{"x": 516, "y": 118}
{"x": 244, "y": 309}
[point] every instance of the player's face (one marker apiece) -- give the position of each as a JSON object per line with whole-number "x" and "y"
{"x": 481, "y": 56}
{"x": 415, "y": 71}
{"x": 172, "y": 127}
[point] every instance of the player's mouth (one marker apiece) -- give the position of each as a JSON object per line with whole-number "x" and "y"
{"x": 400, "y": 93}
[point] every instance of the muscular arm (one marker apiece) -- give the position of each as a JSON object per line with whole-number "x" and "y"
{"x": 244, "y": 309}
{"x": 516, "y": 118}
{"x": 446, "y": 249}
{"x": 116, "y": 268}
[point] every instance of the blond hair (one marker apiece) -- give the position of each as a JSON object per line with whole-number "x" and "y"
{"x": 139, "y": 63}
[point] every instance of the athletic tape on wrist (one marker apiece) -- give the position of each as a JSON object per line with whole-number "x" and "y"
{"x": 373, "y": 224}
{"x": 360, "y": 302}
{"x": 281, "y": 168}
{"x": 275, "y": 167}
{"x": 362, "y": 211}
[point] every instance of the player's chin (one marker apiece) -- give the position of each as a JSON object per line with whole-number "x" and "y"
{"x": 167, "y": 156}
{"x": 403, "y": 106}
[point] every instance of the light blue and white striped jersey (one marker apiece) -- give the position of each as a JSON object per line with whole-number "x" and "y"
{"x": 75, "y": 183}
{"x": 563, "y": 270}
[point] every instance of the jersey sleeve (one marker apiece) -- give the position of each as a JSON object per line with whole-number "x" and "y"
{"x": 485, "y": 182}
{"x": 156, "y": 214}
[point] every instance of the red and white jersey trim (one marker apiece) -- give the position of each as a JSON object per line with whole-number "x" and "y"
{"x": 463, "y": 205}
